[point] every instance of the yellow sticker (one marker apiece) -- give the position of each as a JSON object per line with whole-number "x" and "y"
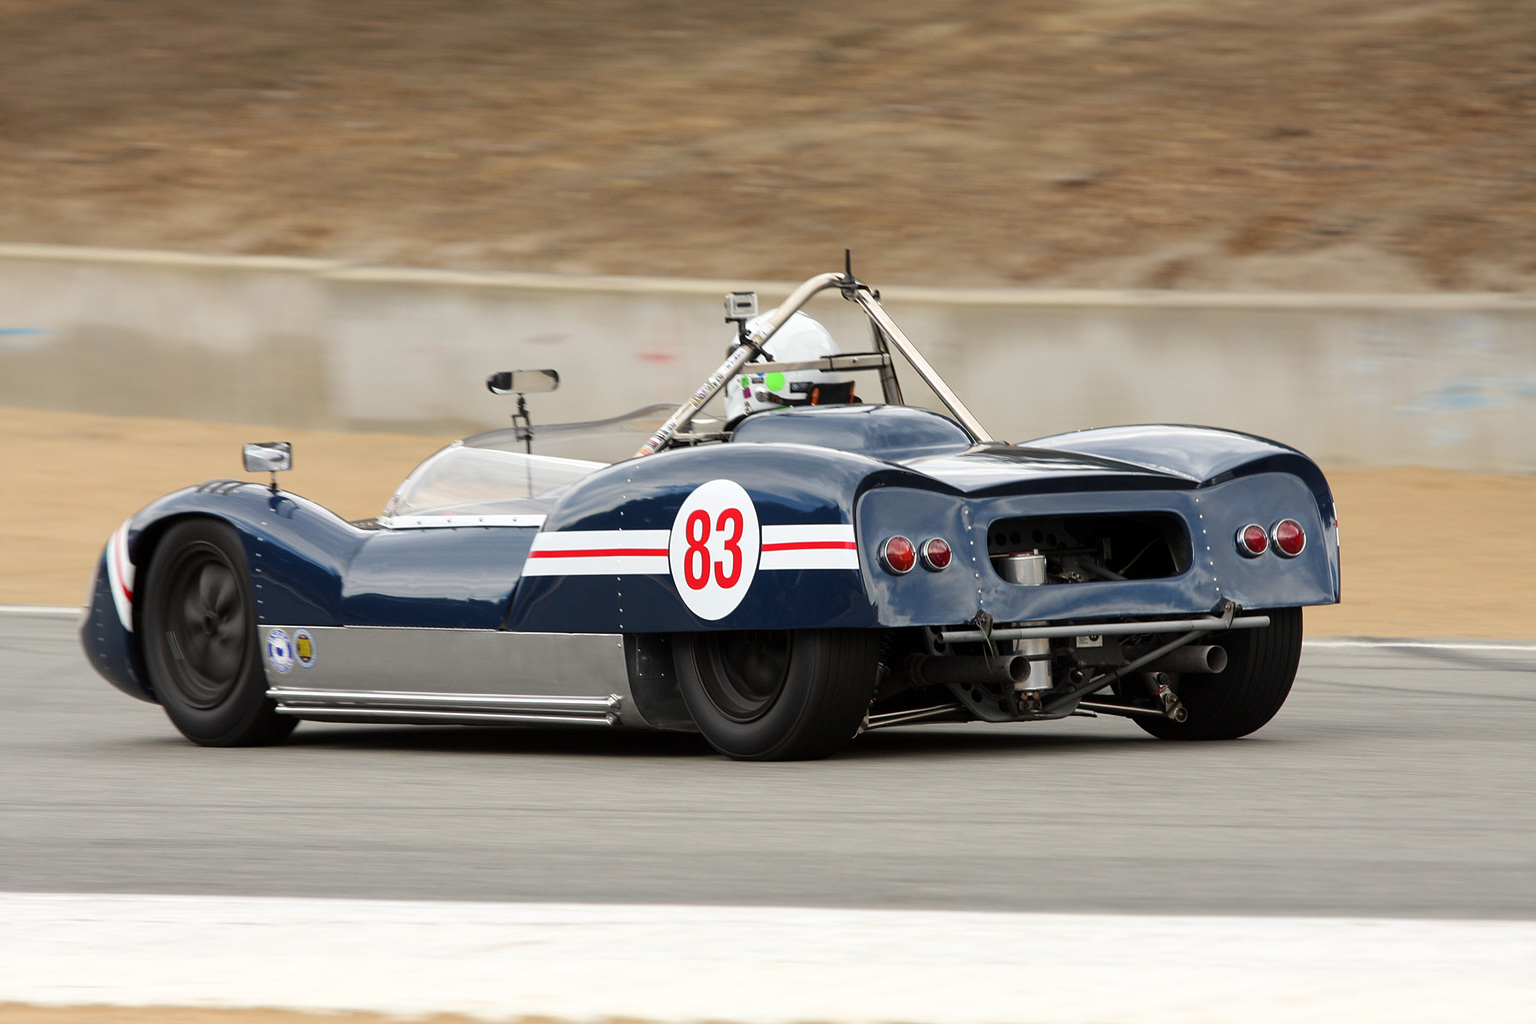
{"x": 304, "y": 648}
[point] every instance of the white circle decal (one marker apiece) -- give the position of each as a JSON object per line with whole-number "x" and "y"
{"x": 714, "y": 547}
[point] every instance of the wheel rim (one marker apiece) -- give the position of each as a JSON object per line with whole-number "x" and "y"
{"x": 744, "y": 673}
{"x": 205, "y": 626}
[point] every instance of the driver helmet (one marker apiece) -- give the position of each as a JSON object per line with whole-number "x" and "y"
{"x": 800, "y": 338}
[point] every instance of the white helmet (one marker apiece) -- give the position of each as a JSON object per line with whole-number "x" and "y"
{"x": 800, "y": 338}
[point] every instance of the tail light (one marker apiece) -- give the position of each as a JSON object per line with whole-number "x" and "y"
{"x": 1290, "y": 539}
{"x": 898, "y": 555}
{"x": 1252, "y": 541}
{"x": 936, "y": 554}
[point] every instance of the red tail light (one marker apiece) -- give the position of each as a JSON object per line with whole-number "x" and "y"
{"x": 1290, "y": 539}
{"x": 936, "y": 554}
{"x": 898, "y": 555}
{"x": 1252, "y": 541}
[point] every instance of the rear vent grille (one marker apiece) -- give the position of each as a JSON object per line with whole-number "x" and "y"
{"x": 1096, "y": 548}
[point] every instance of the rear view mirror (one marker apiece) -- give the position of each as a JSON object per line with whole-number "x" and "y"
{"x": 522, "y": 382}
{"x": 268, "y": 457}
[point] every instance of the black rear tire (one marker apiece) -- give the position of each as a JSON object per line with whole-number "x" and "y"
{"x": 778, "y": 695}
{"x": 199, "y": 639}
{"x": 1261, "y": 666}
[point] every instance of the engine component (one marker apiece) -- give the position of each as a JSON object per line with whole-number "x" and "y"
{"x": 1161, "y": 687}
{"x": 1025, "y": 567}
{"x": 1097, "y": 650}
{"x": 1028, "y": 569}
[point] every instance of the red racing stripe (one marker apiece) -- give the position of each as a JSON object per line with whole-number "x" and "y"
{"x": 813, "y": 545}
{"x": 602, "y": 553}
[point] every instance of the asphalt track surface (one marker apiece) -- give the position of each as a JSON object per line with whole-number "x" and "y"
{"x": 1396, "y": 782}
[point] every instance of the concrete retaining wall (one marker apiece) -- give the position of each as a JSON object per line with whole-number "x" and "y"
{"x": 1441, "y": 380}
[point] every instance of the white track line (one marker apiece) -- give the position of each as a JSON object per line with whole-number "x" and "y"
{"x": 1427, "y": 645}
{"x": 757, "y": 965}
{"x": 1321, "y": 643}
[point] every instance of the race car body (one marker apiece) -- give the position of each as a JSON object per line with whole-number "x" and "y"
{"x": 803, "y": 574}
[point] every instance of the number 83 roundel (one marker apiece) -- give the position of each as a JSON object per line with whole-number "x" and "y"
{"x": 714, "y": 547}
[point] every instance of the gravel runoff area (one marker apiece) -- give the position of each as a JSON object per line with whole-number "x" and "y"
{"x": 1427, "y": 553}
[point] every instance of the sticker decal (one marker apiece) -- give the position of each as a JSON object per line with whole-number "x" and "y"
{"x": 279, "y": 651}
{"x": 713, "y": 548}
{"x": 304, "y": 648}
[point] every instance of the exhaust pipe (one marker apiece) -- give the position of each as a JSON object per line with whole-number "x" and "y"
{"x": 1193, "y": 660}
{"x": 963, "y": 669}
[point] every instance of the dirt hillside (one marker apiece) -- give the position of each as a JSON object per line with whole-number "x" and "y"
{"x": 1230, "y": 144}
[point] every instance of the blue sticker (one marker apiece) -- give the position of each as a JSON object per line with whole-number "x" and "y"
{"x": 279, "y": 651}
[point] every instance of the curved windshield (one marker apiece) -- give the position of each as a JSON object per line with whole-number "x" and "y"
{"x": 485, "y": 481}
{"x": 609, "y": 440}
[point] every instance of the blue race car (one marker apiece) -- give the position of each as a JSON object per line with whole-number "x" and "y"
{"x": 806, "y": 567}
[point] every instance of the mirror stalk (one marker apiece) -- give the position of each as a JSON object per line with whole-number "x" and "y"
{"x": 520, "y": 383}
{"x": 522, "y": 424}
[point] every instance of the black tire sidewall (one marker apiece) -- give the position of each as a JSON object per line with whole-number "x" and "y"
{"x": 246, "y": 715}
{"x": 1244, "y": 697}
{"x": 806, "y": 720}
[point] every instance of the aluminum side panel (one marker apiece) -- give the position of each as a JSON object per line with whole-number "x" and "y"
{"x": 374, "y": 659}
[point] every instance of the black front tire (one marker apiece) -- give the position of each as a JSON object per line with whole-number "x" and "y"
{"x": 1243, "y": 697}
{"x": 199, "y": 639}
{"x": 778, "y": 695}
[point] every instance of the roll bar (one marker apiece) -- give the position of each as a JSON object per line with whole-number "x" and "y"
{"x": 855, "y": 291}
